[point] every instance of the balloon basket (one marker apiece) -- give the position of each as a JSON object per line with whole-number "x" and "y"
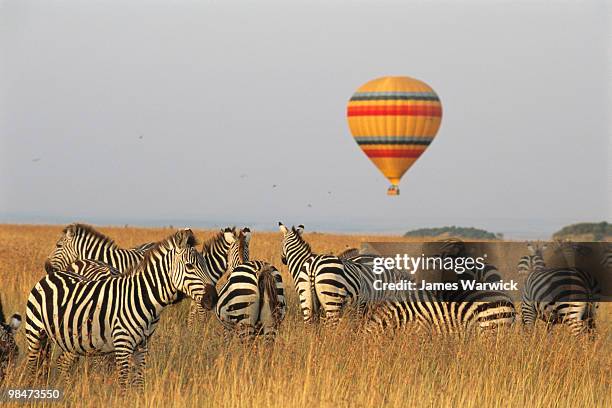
{"x": 393, "y": 191}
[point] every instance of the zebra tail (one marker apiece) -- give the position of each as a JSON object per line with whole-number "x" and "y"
{"x": 267, "y": 288}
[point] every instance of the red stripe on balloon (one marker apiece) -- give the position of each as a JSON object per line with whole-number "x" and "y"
{"x": 406, "y": 110}
{"x": 392, "y": 153}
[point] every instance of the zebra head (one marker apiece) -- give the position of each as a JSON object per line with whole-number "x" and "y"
{"x": 292, "y": 239}
{"x": 66, "y": 250}
{"x": 535, "y": 248}
{"x": 239, "y": 250}
{"x": 189, "y": 273}
{"x": 8, "y": 347}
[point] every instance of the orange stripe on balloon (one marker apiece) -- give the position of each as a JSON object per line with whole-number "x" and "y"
{"x": 398, "y": 110}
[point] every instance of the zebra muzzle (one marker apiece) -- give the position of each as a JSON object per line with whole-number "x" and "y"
{"x": 209, "y": 300}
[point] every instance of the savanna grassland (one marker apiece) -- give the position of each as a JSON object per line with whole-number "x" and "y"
{"x": 310, "y": 366}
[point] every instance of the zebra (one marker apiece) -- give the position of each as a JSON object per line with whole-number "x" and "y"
{"x": 327, "y": 283}
{"x": 252, "y": 301}
{"x": 534, "y": 261}
{"x": 8, "y": 347}
{"x": 348, "y": 253}
{"x": 117, "y": 314}
{"x": 215, "y": 252}
{"x": 444, "y": 312}
{"x": 80, "y": 241}
{"x": 561, "y": 296}
{"x": 456, "y": 248}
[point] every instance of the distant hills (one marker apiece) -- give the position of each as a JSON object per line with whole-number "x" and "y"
{"x": 453, "y": 231}
{"x": 586, "y": 231}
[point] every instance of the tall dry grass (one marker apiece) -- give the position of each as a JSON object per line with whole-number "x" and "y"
{"x": 310, "y": 366}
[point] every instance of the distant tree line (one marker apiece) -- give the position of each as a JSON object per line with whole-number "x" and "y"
{"x": 453, "y": 231}
{"x": 598, "y": 231}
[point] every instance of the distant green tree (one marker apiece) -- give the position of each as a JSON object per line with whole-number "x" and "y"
{"x": 599, "y": 230}
{"x": 454, "y": 231}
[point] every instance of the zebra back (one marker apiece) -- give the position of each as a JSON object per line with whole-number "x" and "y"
{"x": 80, "y": 241}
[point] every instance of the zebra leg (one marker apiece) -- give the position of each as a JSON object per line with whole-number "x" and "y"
{"x": 123, "y": 352}
{"x": 65, "y": 362}
{"x": 528, "y": 314}
{"x": 140, "y": 360}
{"x": 39, "y": 350}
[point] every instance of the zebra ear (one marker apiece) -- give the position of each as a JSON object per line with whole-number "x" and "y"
{"x": 282, "y": 228}
{"x": 246, "y": 232}
{"x": 300, "y": 229}
{"x": 70, "y": 231}
{"x": 185, "y": 238}
{"x": 229, "y": 235}
{"x": 15, "y": 321}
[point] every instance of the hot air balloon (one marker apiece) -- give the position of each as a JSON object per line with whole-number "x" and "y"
{"x": 393, "y": 120}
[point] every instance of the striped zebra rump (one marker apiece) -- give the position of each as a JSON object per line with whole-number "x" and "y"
{"x": 561, "y": 296}
{"x": 252, "y": 301}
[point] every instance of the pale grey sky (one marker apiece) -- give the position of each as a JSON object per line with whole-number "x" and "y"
{"x": 233, "y": 97}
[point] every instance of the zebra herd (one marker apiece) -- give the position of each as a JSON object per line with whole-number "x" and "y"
{"x": 97, "y": 298}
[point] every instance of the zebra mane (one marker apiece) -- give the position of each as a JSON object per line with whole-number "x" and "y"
{"x": 87, "y": 229}
{"x": 300, "y": 238}
{"x": 180, "y": 239}
{"x": 241, "y": 244}
{"x": 206, "y": 247}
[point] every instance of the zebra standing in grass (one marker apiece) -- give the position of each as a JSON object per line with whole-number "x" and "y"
{"x": 532, "y": 262}
{"x": 8, "y": 347}
{"x": 80, "y": 241}
{"x": 116, "y": 314}
{"x": 443, "y": 312}
{"x": 328, "y": 283}
{"x": 215, "y": 252}
{"x": 458, "y": 311}
{"x": 561, "y": 295}
{"x": 252, "y": 301}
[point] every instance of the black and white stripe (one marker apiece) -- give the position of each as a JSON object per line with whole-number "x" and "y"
{"x": 534, "y": 261}
{"x": 443, "y": 312}
{"x": 8, "y": 347}
{"x": 252, "y": 301}
{"x": 117, "y": 314}
{"x": 327, "y": 284}
{"x": 215, "y": 252}
{"x": 561, "y": 296}
{"x": 80, "y": 241}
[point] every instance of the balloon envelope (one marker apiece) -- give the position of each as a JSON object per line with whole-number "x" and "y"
{"x": 393, "y": 120}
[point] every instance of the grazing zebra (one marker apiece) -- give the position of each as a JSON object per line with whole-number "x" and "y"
{"x": 561, "y": 296}
{"x": 327, "y": 283}
{"x": 117, "y": 314}
{"x": 80, "y": 241}
{"x": 444, "y": 312}
{"x": 252, "y": 301}
{"x": 215, "y": 252}
{"x": 532, "y": 262}
{"x": 8, "y": 347}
